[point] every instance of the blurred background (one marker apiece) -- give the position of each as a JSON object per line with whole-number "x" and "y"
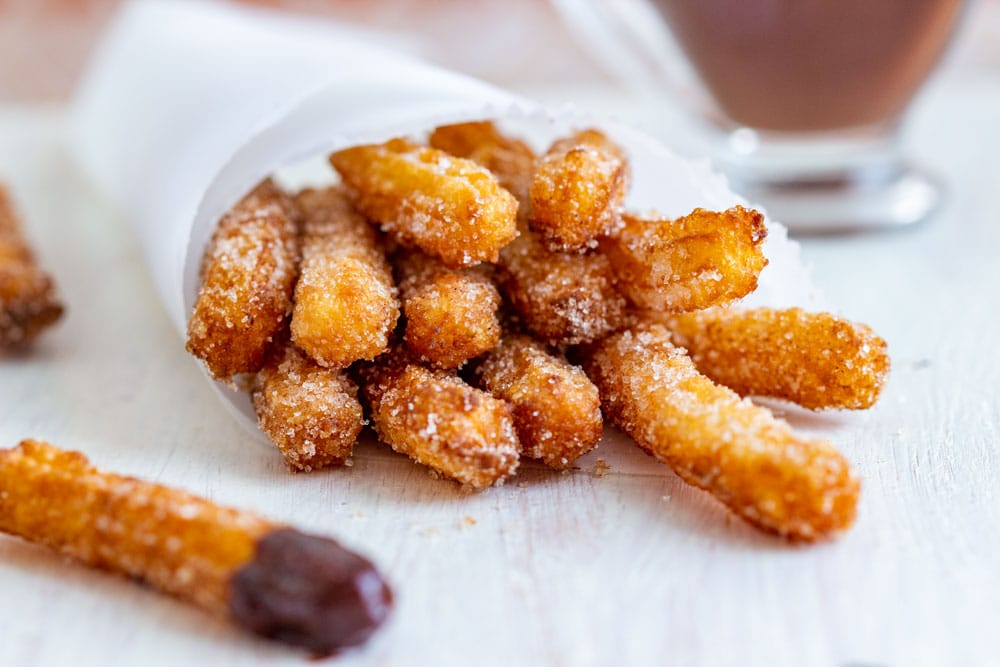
{"x": 522, "y": 44}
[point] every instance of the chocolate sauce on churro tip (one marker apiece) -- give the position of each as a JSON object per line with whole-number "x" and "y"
{"x": 309, "y": 591}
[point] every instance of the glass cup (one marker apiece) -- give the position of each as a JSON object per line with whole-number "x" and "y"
{"x": 806, "y": 96}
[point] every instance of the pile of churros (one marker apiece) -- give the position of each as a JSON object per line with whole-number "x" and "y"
{"x": 477, "y": 304}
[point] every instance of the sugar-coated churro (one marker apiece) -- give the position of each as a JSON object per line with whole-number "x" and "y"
{"x": 449, "y": 207}
{"x": 512, "y": 161}
{"x": 577, "y": 191}
{"x": 438, "y": 420}
{"x": 451, "y": 314}
{"x": 817, "y": 360}
{"x": 310, "y": 413}
{"x": 248, "y": 273}
{"x": 269, "y": 579}
{"x": 702, "y": 259}
{"x": 28, "y": 302}
{"x": 740, "y": 453}
{"x": 345, "y": 299}
{"x": 561, "y": 298}
{"x": 557, "y": 411}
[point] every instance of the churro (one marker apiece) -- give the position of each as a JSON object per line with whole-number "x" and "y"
{"x": 451, "y": 314}
{"x": 28, "y": 302}
{"x": 447, "y": 206}
{"x": 310, "y": 413}
{"x": 248, "y": 272}
{"x": 268, "y": 578}
{"x": 577, "y": 191}
{"x": 561, "y": 298}
{"x": 438, "y": 420}
{"x": 345, "y": 300}
{"x": 557, "y": 411}
{"x": 702, "y": 259}
{"x": 816, "y": 360}
{"x": 512, "y": 161}
{"x": 797, "y": 487}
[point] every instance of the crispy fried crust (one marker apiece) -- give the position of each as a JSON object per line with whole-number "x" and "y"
{"x": 248, "y": 273}
{"x": 28, "y": 302}
{"x": 449, "y": 207}
{"x": 817, "y": 360}
{"x": 702, "y": 259}
{"x": 345, "y": 299}
{"x": 310, "y": 413}
{"x": 557, "y": 411}
{"x": 177, "y": 542}
{"x": 561, "y": 298}
{"x": 510, "y": 160}
{"x": 451, "y": 314}
{"x": 577, "y": 191}
{"x": 438, "y": 420}
{"x": 800, "y": 488}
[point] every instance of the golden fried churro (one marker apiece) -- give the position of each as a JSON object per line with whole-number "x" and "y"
{"x": 345, "y": 299}
{"x": 450, "y": 207}
{"x": 269, "y": 579}
{"x": 28, "y": 302}
{"x": 510, "y": 160}
{"x": 248, "y": 273}
{"x": 578, "y": 190}
{"x": 817, "y": 360}
{"x": 440, "y": 421}
{"x": 451, "y": 314}
{"x": 702, "y": 259}
{"x": 310, "y": 413}
{"x": 740, "y": 453}
{"x": 561, "y": 298}
{"x": 557, "y": 411}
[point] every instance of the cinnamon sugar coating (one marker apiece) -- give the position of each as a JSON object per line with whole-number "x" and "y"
{"x": 248, "y": 273}
{"x": 817, "y": 360}
{"x": 577, "y": 191}
{"x": 28, "y": 302}
{"x": 451, "y": 314}
{"x": 345, "y": 299}
{"x": 447, "y": 206}
{"x": 178, "y": 543}
{"x": 310, "y": 413}
{"x": 702, "y": 259}
{"x": 438, "y": 420}
{"x": 797, "y": 487}
{"x": 557, "y": 411}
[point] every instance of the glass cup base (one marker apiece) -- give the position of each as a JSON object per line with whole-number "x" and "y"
{"x": 829, "y": 184}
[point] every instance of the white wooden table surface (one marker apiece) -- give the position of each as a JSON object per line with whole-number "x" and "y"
{"x": 631, "y": 567}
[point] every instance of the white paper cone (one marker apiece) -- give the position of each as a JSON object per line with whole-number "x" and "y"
{"x": 188, "y": 104}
